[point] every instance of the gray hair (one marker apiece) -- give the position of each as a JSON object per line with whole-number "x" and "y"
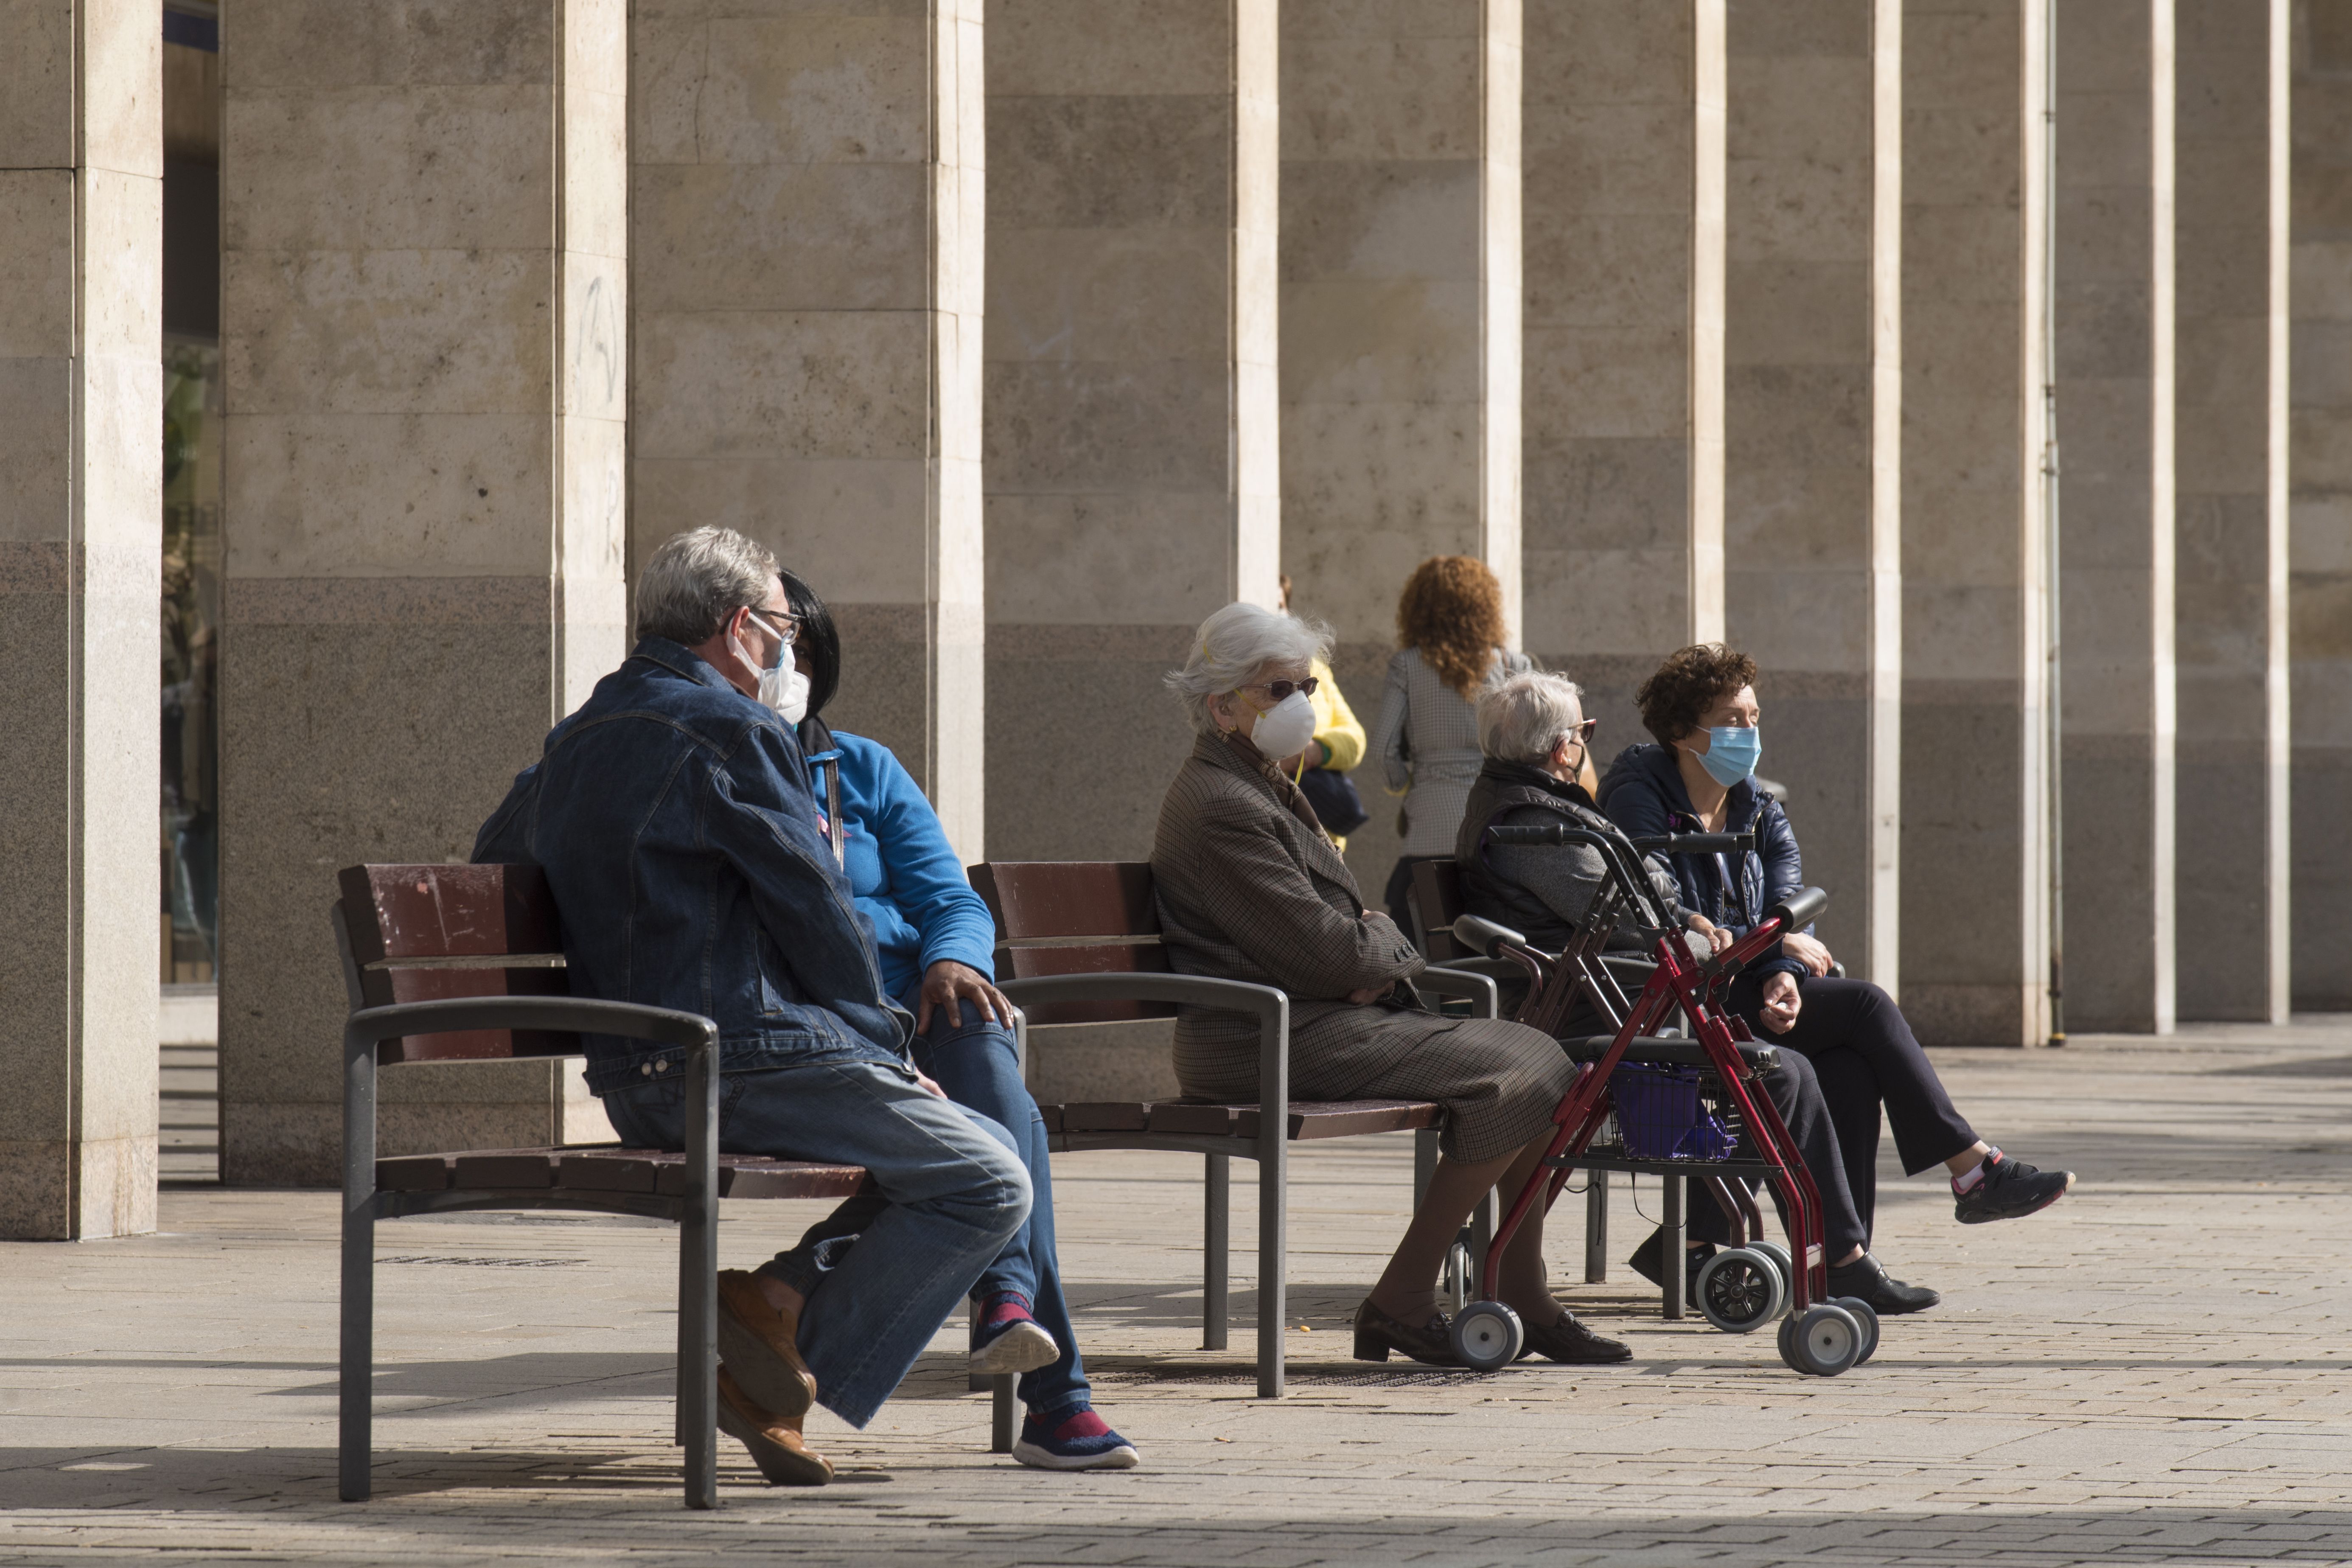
{"x": 1236, "y": 645}
{"x": 699, "y": 578}
{"x": 1525, "y": 718}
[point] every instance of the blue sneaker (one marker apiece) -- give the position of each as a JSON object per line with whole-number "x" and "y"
{"x": 1010, "y": 1341}
{"x": 1079, "y": 1440}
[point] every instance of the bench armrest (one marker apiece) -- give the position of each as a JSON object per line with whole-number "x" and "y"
{"x": 1485, "y": 1000}
{"x": 1271, "y": 1007}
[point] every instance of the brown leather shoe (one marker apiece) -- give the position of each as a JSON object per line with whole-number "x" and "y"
{"x": 1377, "y": 1333}
{"x": 777, "y": 1447}
{"x": 760, "y": 1346}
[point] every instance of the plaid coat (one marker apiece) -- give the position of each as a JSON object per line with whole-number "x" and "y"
{"x": 1249, "y": 888}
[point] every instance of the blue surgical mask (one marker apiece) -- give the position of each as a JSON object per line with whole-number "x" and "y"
{"x": 1732, "y": 754}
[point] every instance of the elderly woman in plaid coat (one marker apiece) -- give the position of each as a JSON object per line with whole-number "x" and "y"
{"x": 1250, "y": 887}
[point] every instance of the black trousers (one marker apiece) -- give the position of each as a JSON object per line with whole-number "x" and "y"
{"x": 1798, "y": 1096}
{"x": 1862, "y": 1056}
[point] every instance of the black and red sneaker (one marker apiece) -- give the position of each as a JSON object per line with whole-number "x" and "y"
{"x": 2009, "y": 1189}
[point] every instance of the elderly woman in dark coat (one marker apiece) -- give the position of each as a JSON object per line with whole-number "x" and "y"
{"x": 1250, "y": 887}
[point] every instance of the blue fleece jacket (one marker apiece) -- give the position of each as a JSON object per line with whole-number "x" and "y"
{"x": 904, "y": 876}
{"x": 1644, "y": 794}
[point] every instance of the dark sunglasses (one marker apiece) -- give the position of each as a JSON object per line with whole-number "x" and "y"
{"x": 1281, "y": 690}
{"x": 1583, "y": 733}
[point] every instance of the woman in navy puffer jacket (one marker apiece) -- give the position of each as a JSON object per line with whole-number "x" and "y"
{"x": 1700, "y": 778}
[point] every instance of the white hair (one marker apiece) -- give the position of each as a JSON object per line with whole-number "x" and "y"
{"x": 1525, "y": 718}
{"x": 699, "y": 578}
{"x": 1235, "y": 647}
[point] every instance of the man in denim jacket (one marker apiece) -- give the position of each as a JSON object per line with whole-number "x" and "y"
{"x": 673, "y": 816}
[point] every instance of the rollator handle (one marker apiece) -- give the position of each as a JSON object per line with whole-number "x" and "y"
{"x": 1484, "y": 936}
{"x": 1552, "y": 832}
{"x": 1800, "y": 909}
{"x": 1699, "y": 843}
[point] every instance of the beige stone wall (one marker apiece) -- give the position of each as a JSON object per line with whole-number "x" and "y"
{"x": 807, "y": 189}
{"x": 1811, "y": 455}
{"x": 1974, "y": 893}
{"x": 1132, "y": 422}
{"x": 2320, "y": 543}
{"x": 1401, "y": 299}
{"x": 80, "y": 495}
{"x": 2232, "y": 531}
{"x": 2114, "y": 376}
{"x": 1623, "y": 158}
{"x": 423, "y": 333}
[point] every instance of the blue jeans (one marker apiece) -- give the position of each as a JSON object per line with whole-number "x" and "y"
{"x": 974, "y": 1060}
{"x": 976, "y": 1063}
{"x": 947, "y": 1193}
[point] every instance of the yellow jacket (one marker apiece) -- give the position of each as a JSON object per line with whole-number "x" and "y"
{"x": 1335, "y": 725}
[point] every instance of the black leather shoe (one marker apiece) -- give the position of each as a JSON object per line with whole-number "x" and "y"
{"x": 1572, "y": 1342}
{"x": 1377, "y": 1333}
{"x": 1649, "y": 1262}
{"x": 1888, "y": 1297}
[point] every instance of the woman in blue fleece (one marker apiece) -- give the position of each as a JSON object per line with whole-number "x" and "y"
{"x": 936, "y": 942}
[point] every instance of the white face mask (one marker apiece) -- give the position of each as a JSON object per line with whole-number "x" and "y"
{"x": 1284, "y": 730}
{"x": 785, "y": 689}
{"x": 782, "y": 686}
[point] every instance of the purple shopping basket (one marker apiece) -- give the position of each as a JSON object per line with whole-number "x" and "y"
{"x": 1656, "y": 1109}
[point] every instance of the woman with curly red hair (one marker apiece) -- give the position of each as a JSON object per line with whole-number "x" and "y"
{"x": 1450, "y": 641}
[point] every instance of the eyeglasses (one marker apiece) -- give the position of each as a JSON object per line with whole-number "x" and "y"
{"x": 785, "y": 627}
{"x": 1583, "y": 733}
{"x": 1281, "y": 690}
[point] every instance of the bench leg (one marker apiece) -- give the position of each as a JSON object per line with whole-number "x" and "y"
{"x": 1424, "y": 1163}
{"x": 1272, "y": 1174}
{"x": 1596, "y": 1227}
{"x": 1676, "y": 1238}
{"x": 698, "y": 1286}
{"x": 1217, "y": 1249}
{"x": 1000, "y": 1413}
{"x": 356, "y": 1372}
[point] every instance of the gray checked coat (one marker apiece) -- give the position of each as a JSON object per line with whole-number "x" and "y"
{"x": 1250, "y": 888}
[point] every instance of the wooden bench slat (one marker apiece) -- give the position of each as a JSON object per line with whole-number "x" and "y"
{"x": 1194, "y": 1120}
{"x": 412, "y": 1173}
{"x": 612, "y": 1169}
{"x": 1106, "y": 1116}
{"x": 1312, "y": 1119}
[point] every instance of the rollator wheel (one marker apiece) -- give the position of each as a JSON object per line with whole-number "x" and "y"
{"x": 1867, "y": 1316}
{"x": 1488, "y": 1336}
{"x": 1779, "y": 1255}
{"x": 1740, "y": 1290}
{"x": 1821, "y": 1342}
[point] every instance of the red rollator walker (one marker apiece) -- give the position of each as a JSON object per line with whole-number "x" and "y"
{"x": 1674, "y": 1091}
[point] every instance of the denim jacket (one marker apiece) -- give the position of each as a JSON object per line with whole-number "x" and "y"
{"x": 673, "y": 816}
{"x": 1644, "y": 794}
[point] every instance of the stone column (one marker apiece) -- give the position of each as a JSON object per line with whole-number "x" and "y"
{"x": 1812, "y": 418}
{"x": 2320, "y": 548}
{"x": 81, "y": 242}
{"x": 1401, "y": 299}
{"x": 423, "y": 336}
{"x": 2114, "y": 378}
{"x": 807, "y": 187}
{"x": 1624, "y": 154}
{"x": 2231, "y": 606}
{"x": 1975, "y": 889}
{"x": 1132, "y": 418}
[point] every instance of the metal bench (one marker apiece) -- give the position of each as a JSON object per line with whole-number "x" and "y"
{"x": 453, "y": 963}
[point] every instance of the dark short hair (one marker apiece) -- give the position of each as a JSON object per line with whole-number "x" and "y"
{"x": 819, "y": 639}
{"x": 1692, "y": 680}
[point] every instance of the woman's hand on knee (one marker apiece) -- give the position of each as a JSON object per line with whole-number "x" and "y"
{"x": 947, "y": 984}
{"x": 1808, "y": 952}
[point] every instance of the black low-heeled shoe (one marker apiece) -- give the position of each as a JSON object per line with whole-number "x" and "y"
{"x": 1572, "y": 1342}
{"x": 1377, "y": 1333}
